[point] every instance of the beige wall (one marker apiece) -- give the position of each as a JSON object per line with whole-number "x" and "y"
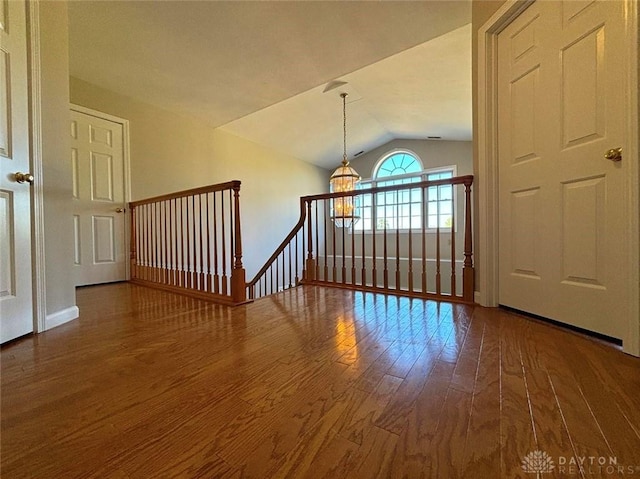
{"x": 57, "y": 187}
{"x": 170, "y": 152}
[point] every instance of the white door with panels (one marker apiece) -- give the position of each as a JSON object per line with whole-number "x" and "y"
{"x": 97, "y": 158}
{"x": 562, "y": 168}
{"x": 16, "y": 306}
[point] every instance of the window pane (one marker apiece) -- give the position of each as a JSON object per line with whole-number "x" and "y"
{"x": 445, "y": 192}
{"x": 445, "y": 207}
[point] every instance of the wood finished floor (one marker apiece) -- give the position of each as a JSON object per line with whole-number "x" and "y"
{"x": 310, "y": 383}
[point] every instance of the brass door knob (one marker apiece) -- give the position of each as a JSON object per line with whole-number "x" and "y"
{"x": 119, "y": 210}
{"x": 24, "y": 177}
{"x": 614, "y": 154}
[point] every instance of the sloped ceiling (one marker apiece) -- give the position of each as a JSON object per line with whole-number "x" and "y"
{"x": 258, "y": 69}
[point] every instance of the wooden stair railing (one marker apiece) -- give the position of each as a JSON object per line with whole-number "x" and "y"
{"x": 190, "y": 242}
{"x": 409, "y": 262}
{"x": 285, "y": 267}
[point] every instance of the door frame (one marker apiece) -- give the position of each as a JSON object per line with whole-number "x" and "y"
{"x": 38, "y": 265}
{"x": 126, "y": 168}
{"x": 487, "y": 172}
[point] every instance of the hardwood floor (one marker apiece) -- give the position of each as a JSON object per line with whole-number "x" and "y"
{"x": 311, "y": 383}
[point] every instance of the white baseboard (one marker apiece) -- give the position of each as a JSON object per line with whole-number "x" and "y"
{"x": 61, "y": 317}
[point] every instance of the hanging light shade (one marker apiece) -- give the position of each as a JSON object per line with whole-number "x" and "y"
{"x": 345, "y": 178}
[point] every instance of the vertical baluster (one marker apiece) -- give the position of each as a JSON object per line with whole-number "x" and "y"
{"x": 385, "y": 274}
{"x": 216, "y": 276}
{"x": 296, "y": 258}
{"x": 156, "y": 236}
{"x": 208, "y": 281}
{"x": 184, "y": 242}
{"x": 317, "y": 270}
{"x": 397, "y": 240}
{"x": 148, "y": 240}
{"x": 174, "y": 242}
{"x": 453, "y": 245}
{"x": 157, "y": 218}
{"x": 201, "y": 285}
{"x": 467, "y": 270}
{"x": 172, "y": 227}
{"x": 363, "y": 277}
{"x": 410, "y": 283}
{"x": 149, "y": 243}
{"x": 374, "y": 260}
{"x": 325, "y": 211}
{"x": 303, "y": 244}
{"x": 277, "y": 271}
{"x": 285, "y": 268}
{"x": 194, "y": 263}
{"x": 224, "y": 247}
{"x": 154, "y": 226}
{"x": 438, "y": 288}
{"x": 140, "y": 240}
{"x": 176, "y": 235}
{"x": 425, "y": 220}
{"x": 353, "y": 243}
{"x": 310, "y": 265}
{"x": 290, "y": 265}
{"x": 165, "y": 246}
{"x": 271, "y": 276}
{"x": 133, "y": 246}
{"x": 160, "y": 242}
{"x": 343, "y": 275}
{"x": 158, "y": 232}
{"x": 143, "y": 241}
{"x": 334, "y": 272}
{"x": 168, "y": 241}
{"x": 187, "y": 268}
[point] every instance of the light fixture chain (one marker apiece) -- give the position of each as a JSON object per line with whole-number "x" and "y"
{"x": 344, "y": 116}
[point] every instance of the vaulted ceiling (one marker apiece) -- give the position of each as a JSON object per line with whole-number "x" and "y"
{"x": 259, "y": 69}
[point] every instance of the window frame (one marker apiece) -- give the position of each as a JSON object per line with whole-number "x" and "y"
{"x": 422, "y": 175}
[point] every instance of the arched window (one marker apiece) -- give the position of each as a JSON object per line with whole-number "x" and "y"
{"x": 406, "y": 209}
{"x": 397, "y": 164}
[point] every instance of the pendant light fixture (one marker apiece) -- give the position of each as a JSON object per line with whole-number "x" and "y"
{"x": 345, "y": 178}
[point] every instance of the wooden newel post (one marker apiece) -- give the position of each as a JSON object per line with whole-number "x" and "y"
{"x": 133, "y": 260}
{"x": 238, "y": 274}
{"x": 310, "y": 263}
{"x": 467, "y": 270}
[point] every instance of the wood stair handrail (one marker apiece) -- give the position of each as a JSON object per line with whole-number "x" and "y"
{"x": 229, "y": 185}
{"x": 466, "y": 180}
{"x": 294, "y": 231}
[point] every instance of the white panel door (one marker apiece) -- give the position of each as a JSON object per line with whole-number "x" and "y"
{"x": 16, "y": 307}
{"x": 562, "y": 218}
{"x": 98, "y": 199}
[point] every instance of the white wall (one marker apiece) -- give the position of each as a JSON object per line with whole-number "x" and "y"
{"x": 172, "y": 152}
